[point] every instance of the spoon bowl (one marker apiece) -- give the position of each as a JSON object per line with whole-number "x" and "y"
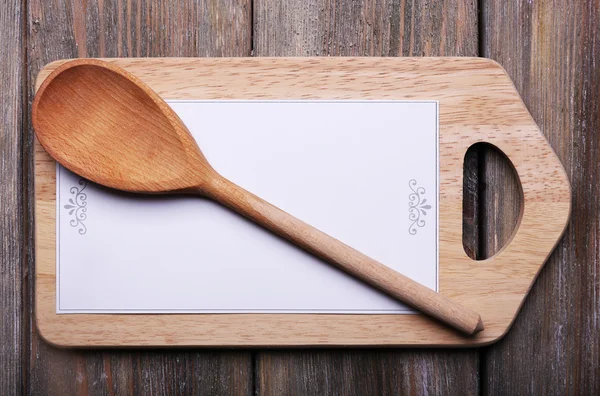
{"x": 106, "y": 125}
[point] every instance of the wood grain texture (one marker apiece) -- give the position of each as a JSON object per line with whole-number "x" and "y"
{"x": 370, "y": 28}
{"x": 66, "y": 29}
{"x": 367, "y": 372}
{"x": 471, "y": 202}
{"x": 551, "y": 49}
{"x": 365, "y": 28}
{"x": 12, "y": 227}
{"x": 468, "y": 115}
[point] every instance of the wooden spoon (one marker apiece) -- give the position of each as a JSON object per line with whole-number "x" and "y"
{"x": 104, "y": 124}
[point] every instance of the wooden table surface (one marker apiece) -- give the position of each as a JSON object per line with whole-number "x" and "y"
{"x": 551, "y": 49}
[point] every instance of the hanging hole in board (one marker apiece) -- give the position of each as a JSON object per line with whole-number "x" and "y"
{"x": 492, "y": 201}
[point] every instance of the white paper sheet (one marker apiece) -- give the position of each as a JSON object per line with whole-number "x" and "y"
{"x": 365, "y": 172}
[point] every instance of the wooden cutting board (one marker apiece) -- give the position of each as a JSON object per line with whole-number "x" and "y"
{"x": 477, "y": 103}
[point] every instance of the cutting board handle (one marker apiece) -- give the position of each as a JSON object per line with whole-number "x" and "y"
{"x": 545, "y": 203}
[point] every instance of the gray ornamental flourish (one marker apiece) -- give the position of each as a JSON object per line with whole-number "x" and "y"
{"x": 417, "y": 207}
{"x": 77, "y": 206}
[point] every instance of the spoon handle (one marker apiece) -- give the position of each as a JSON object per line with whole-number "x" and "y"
{"x": 343, "y": 256}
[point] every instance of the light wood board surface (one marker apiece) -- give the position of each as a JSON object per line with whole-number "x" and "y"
{"x": 477, "y": 103}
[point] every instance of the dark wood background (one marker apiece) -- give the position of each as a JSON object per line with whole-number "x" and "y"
{"x": 551, "y": 49}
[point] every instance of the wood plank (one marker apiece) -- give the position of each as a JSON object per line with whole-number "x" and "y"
{"x": 368, "y": 27}
{"x": 364, "y": 372}
{"x": 132, "y": 28}
{"x": 12, "y": 227}
{"x": 365, "y": 28}
{"x": 471, "y": 202}
{"x": 551, "y": 50}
